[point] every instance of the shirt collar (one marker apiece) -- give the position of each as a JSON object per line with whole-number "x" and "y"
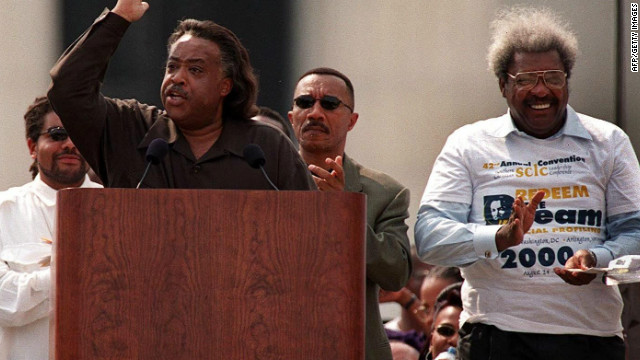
{"x": 45, "y": 193}
{"x": 226, "y": 143}
{"x": 229, "y": 140}
{"x": 163, "y": 128}
{"x": 572, "y": 127}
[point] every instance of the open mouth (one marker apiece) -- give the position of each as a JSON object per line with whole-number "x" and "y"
{"x": 175, "y": 95}
{"x": 540, "y": 106}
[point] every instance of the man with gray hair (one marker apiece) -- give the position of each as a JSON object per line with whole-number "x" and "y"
{"x": 574, "y": 185}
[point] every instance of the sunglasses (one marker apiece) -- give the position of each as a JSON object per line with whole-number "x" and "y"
{"x": 446, "y": 330}
{"x": 56, "y": 133}
{"x": 327, "y": 102}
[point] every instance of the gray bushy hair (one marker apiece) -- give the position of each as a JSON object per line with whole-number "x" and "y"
{"x": 524, "y": 29}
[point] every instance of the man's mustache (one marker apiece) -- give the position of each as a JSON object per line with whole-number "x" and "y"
{"x": 67, "y": 152}
{"x": 315, "y": 124}
{"x": 176, "y": 89}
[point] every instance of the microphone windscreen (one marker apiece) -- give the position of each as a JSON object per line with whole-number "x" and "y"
{"x": 157, "y": 150}
{"x": 254, "y": 155}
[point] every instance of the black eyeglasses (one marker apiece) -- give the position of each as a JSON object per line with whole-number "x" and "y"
{"x": 446, "y": 330}
{"x": 56, "y": 133}
{"x": 327, "y": 102}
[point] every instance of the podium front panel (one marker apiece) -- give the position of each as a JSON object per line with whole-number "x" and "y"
{"x": 208, "y": 274}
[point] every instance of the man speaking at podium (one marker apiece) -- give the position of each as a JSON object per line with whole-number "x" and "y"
{"x": 208, "y": 92}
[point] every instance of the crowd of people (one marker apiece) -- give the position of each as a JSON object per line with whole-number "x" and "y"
{"x": 484, "y": 277}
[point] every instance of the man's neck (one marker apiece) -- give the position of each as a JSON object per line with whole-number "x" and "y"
{"x": 57, "y": 185}
{"x": 201, "y": 140}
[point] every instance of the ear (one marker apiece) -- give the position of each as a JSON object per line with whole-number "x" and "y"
{"x": 290, "y": 116}
{"x": 225, "y": 86}
{"x": 32, "y": 148}
{"x": 503, "y": 87}
{"x": 353, "y": 120}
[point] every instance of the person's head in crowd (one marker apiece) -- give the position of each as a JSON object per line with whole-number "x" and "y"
{"x": 446, "y": 314}
{"x": 438, "y": 278}
{"x": 532, "y": 54}
{"x": 55, "y": 158}
{"x": 402, "y": 351}
{"x": 208, "y": 74}
{"x": 323, "y": 113}
{"x": 270, "y": 116}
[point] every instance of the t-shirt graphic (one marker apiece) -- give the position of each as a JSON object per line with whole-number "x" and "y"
{"x": 497, "y": 209}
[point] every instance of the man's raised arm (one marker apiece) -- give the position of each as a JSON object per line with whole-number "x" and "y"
{"x": 131, "y": 10}
{"x": 78, "y": 74}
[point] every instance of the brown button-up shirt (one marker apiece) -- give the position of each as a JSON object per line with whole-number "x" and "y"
{"x": 113, "y": 135}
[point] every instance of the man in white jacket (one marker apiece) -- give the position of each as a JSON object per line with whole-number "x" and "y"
{"x": 525, "y": 202}
{"x": 27, "y": 229}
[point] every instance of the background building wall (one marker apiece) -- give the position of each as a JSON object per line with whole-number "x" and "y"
{"x": 628, "y": 81}
{"x": 419, "y": 70}
{"x": 30, "y": 41}
{"x": 419, "y": 67}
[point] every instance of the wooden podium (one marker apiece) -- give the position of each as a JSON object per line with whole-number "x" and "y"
{"x": 208, "y": 274}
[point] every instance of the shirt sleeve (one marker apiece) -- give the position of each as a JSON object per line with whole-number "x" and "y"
{"x": 623, "y": 186}
{"x": 443, "y": 236}
{"x": 623, "y": 198}
{"x": 387, "y": 247}
{"x": 76, "y": 80}
{"x": 623, "y": 238}
{"x": 24, "y": 297}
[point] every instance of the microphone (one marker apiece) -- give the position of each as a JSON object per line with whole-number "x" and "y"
{"x": 156, "y": 151}
{"x": 254, "y": 156}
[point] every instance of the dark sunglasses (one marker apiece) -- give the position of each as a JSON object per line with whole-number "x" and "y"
{"x": 327, "y": 102}
{"x": 56, "y": 133}
{"x": 446, "y": 330}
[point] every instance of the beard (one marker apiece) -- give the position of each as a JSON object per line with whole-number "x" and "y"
{"x": 65, "y": 177}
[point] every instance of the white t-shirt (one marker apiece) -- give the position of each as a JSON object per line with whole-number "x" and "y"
{"x": 588, "y": 171}
{"x": 27, "y": 220}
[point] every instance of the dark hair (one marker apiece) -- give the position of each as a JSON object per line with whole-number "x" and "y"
{"x": 449, "y": 296}
{"x": 240, "y": 102}
{"x": 445, "y": 272}
{"x": 333, "y": 72}
{"x": 288, "y": 129}
{"x": 34, "y": 122}
{"x": 270, "y": 113}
